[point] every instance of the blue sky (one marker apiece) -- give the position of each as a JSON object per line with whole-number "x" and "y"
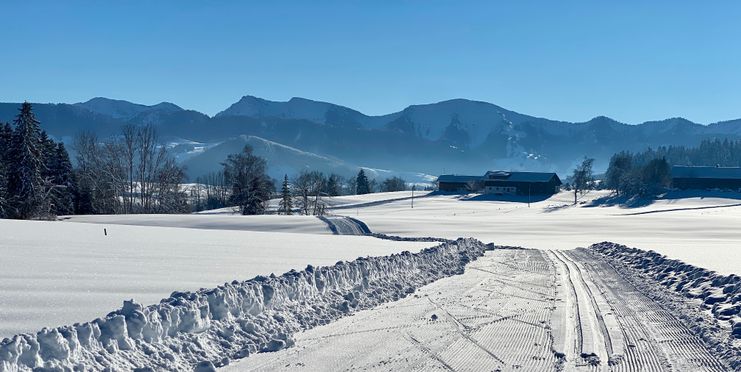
{"x": 568, "y": 60}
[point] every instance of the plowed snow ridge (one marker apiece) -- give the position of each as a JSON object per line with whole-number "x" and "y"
{"x": 236, "y": 319}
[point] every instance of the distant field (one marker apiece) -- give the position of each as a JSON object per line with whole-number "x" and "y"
{"x": 704, "y": 231}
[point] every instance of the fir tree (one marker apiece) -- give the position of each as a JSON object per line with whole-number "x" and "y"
{"x": 286, "y": 202}
{"x": 25, "y": 182}
{"x": 363, "y": 186}
{"x": 65, "y": 188}
{"x": 5, "y": 136}
{"x": 333, "y": 185}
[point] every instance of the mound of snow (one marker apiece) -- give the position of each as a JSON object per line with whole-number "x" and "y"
{"x": 213, "y": 326}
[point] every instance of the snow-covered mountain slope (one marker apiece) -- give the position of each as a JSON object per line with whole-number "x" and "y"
{"x": 285, "y": 160}
{"x": 281, "y": 159}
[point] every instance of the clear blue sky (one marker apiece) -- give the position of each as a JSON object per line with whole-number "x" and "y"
{"x": 568, "y": 60}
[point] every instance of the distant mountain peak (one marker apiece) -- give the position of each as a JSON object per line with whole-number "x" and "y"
{"x": 295, "y": 108}
{"x": 125, "y": 110}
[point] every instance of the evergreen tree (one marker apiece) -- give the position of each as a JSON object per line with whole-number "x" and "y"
{"x": 5, "y": 136}
{"x": 65, "y": 187}
{"x": 333, "y": 186}
{"x": 286, "y": 201}
{"x": 25, "y": 182}
{"x": 363, "y": 186}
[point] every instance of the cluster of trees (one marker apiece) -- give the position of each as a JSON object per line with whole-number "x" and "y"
{"x": 36, "y": 177}
{"x": 130, "y": 173}
{"x": 725, "y": 153}
{"x": 308, "y": 190}
{"x": 637, "y": 174}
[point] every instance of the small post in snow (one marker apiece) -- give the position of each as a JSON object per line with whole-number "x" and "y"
{"x": 413, "y": 187}
{"x": 105, "y": 232}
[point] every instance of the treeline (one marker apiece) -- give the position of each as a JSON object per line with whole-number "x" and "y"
{"x": 130, "y": 173}
{"x": 308, "y": 190}
{"x": 637, "y": 175}
{"x": 648, "y": 173}
{"x": 716, "y": 152}
{"x": 36, "y": 177}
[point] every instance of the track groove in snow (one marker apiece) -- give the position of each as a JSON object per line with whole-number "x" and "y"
{"x": 528, "y": 322}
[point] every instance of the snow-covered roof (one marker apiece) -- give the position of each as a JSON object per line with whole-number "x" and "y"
{"x": 501, "y": 175}
{"x": 453, "y": 178}
{"x": 684, "y": 171}
{"x": 521, "y": 176}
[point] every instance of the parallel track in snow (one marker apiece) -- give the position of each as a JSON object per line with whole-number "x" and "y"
{"x": 527, "y": 310}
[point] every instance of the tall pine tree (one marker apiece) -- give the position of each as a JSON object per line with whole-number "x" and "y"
{"x": 62, "y": 177}
{"x": 5, "y": 134}
{"x": 25, "y": 182}
{"x": 286, "y": 201}
{"x": 363, "y": 186}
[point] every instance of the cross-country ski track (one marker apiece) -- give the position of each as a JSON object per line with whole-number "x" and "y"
{"x": 513, "y": 309}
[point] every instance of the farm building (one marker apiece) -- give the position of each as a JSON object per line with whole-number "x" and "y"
{"x": 502, "y": 182}
{"x": 702, "y": 178}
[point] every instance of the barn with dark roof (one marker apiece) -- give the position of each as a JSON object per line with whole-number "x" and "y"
{"x": 502, "y": 182}
{"x": 704, "y": 178}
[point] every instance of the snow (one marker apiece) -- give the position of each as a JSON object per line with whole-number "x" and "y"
{"x": 221, "y": 219}
{"x": 703, "y": 231}
{"x": 511, "y": 310}
{"x": 236, "y": 319}
{"x": 56, "y": 273}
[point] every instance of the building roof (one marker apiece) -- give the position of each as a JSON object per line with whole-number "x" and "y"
{"x": 683, "y": 171}
{"x": 521, "y": 176}
{"x": 453, "y": 178}
{"x": 501, "y": 176}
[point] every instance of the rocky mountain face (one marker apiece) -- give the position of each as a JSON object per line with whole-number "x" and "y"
{"x": 455, "y": 136}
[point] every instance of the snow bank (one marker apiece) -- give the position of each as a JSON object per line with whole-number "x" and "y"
{"x": 714, "y": 297}
{"x": 210, "y": 327}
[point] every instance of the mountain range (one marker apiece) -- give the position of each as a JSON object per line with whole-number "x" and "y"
{"x": 455, "y": 136}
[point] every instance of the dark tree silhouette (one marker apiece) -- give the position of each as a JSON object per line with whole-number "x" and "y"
{"x": 363, "y": 185}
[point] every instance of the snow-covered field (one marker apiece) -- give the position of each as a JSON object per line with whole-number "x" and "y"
{"x": 702, "y": 231}
{"x": 55, "y": 273}
{"x": 220, "y": 219}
